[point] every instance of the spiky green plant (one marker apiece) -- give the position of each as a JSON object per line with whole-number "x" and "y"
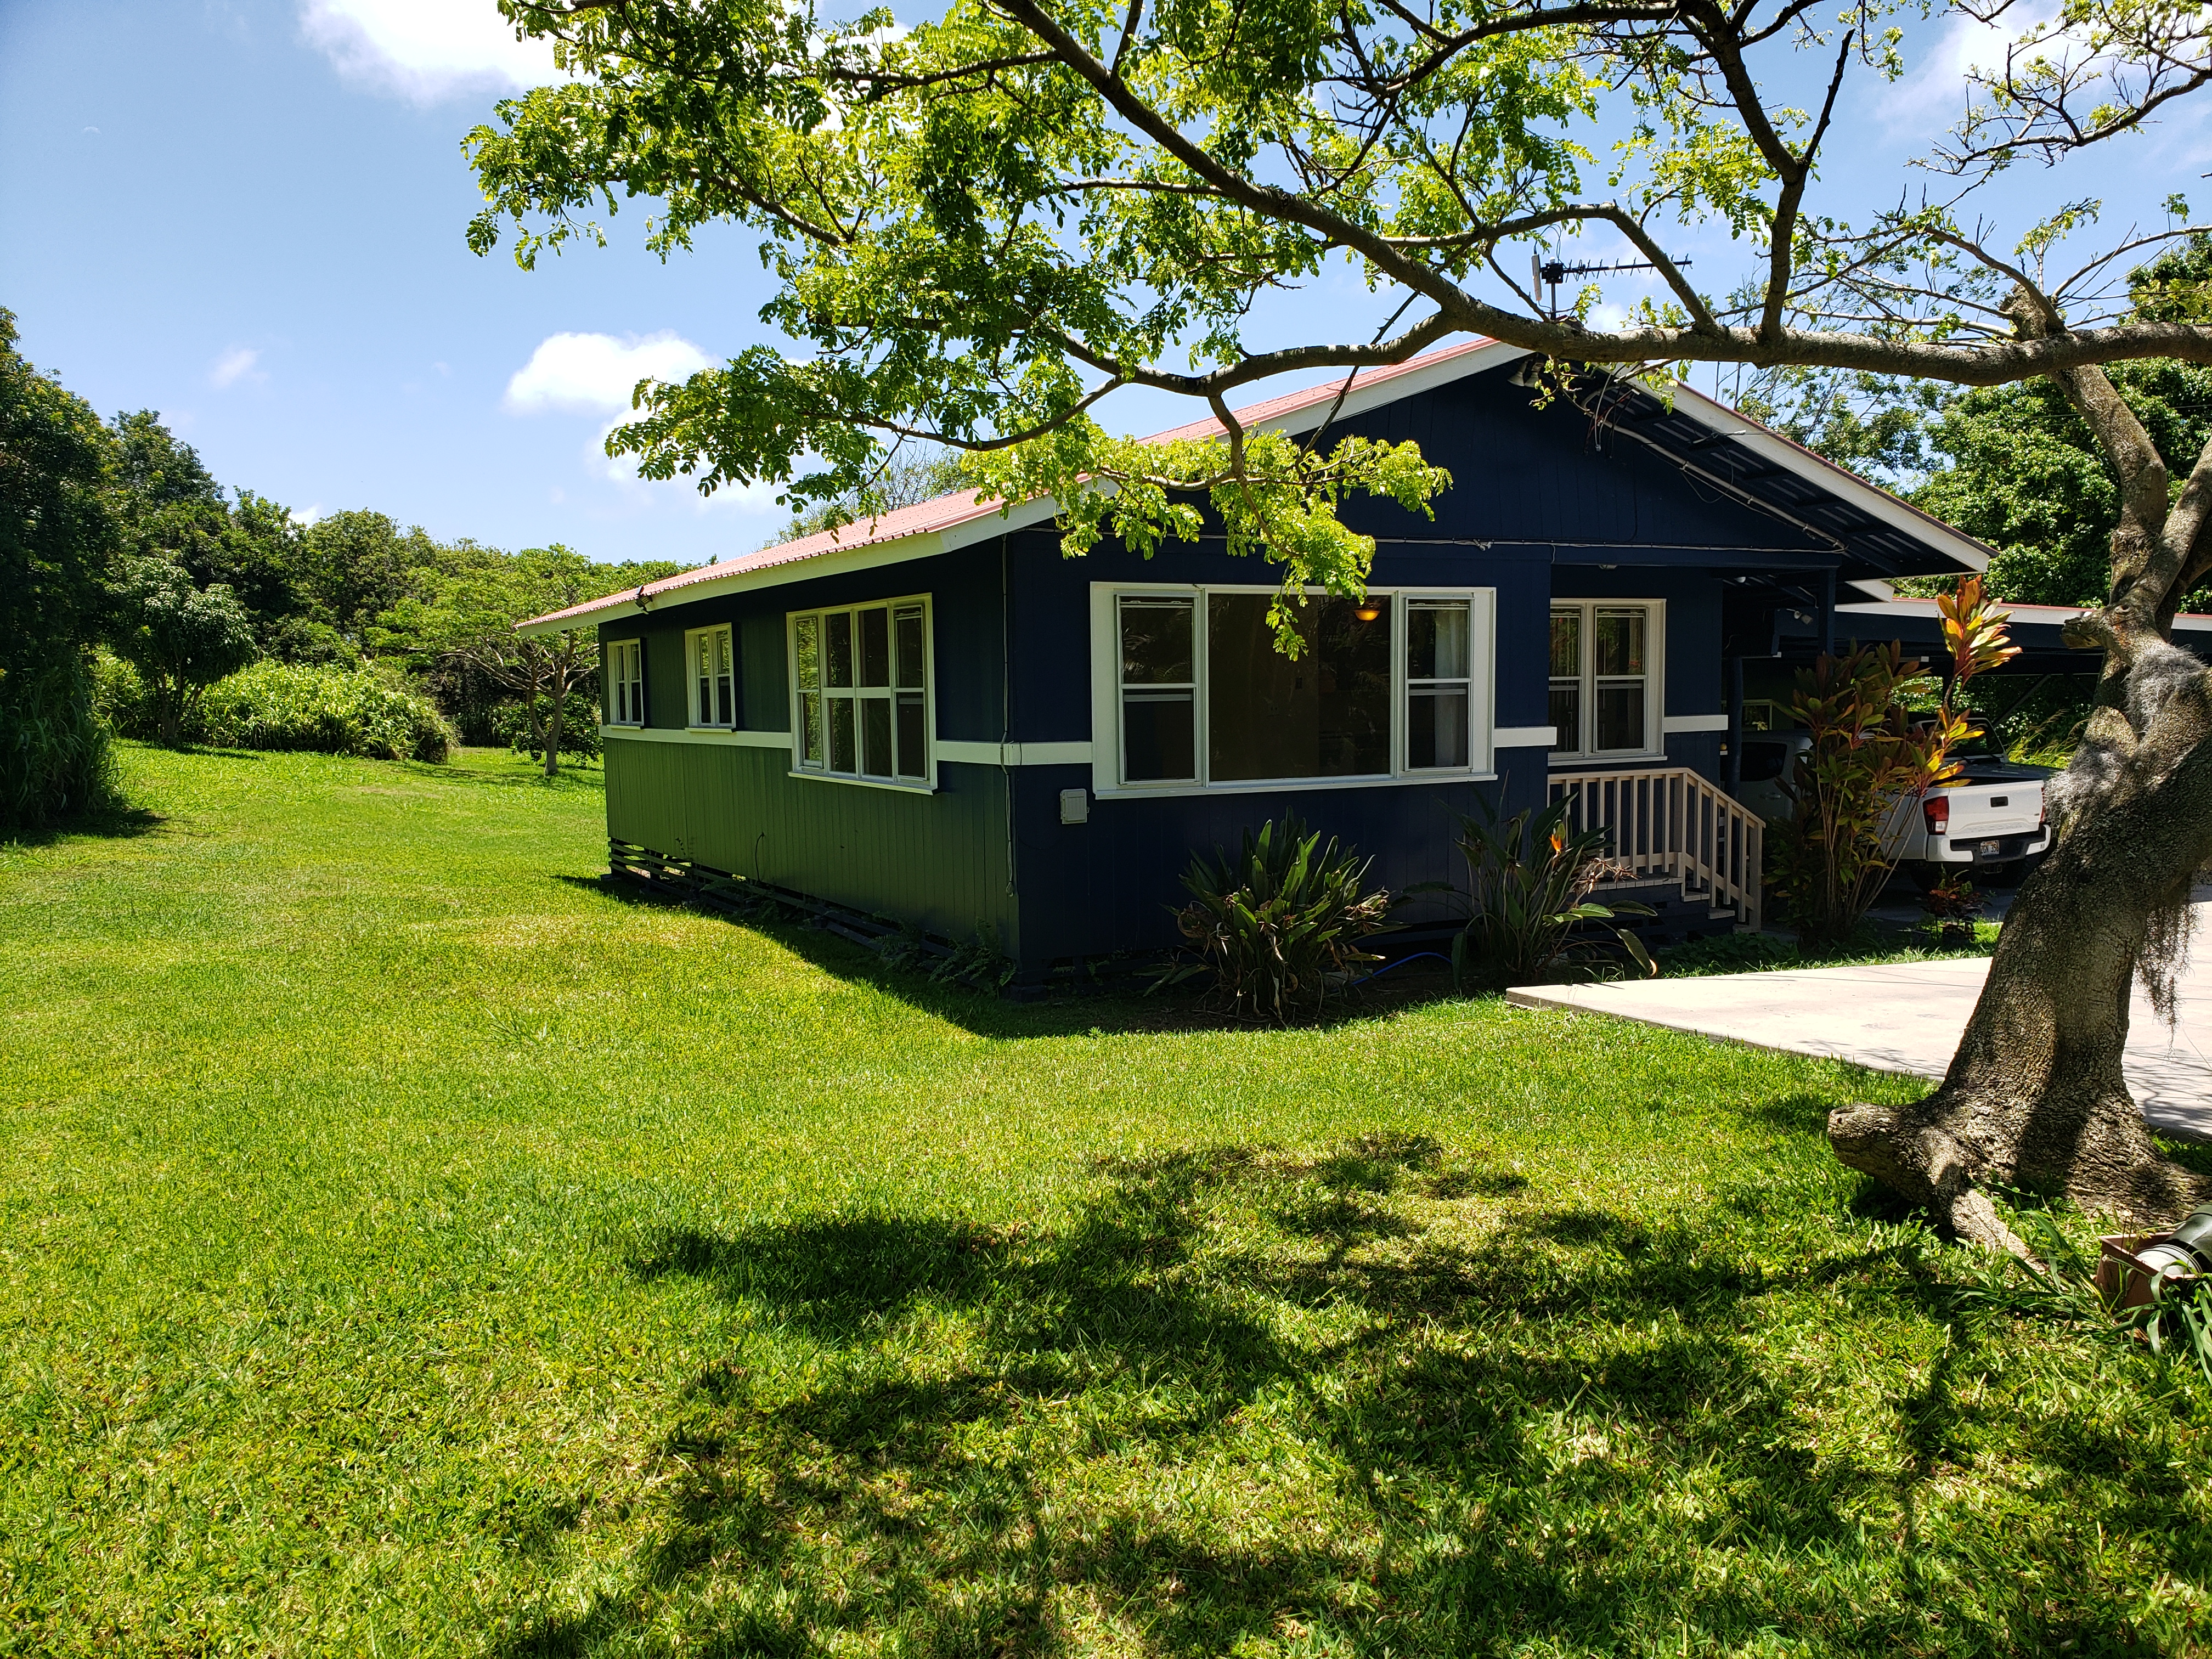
{"x": 1277, "y": 925}
{"x": 1529, "y": 881}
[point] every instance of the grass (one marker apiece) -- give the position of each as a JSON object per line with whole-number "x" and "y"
{"x": 407, "y": 1247}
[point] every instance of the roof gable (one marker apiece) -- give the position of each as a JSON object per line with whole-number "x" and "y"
{"x": 948, "y": 522}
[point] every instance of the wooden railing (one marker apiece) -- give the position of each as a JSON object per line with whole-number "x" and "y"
{"x": 1670, "y": 821}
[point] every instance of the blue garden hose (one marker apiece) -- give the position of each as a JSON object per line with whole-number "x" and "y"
{"x": 1432, "y": 955}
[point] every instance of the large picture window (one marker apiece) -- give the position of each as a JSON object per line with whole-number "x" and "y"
{"x": 1605, "y": 695}
{"x": 860, "y": 692}
{"x": 712, "y": 668}
{"x": 1198, "y": 695}
{"x": 625, "y": 682}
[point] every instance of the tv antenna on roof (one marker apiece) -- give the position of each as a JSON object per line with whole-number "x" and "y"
{"x": 1542, "y": 271}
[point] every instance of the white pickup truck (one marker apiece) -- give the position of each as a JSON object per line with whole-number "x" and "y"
{"x": 1992, "y": 818}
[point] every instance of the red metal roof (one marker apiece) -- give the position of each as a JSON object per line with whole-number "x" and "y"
{"x": 960, "y": 508}
{"x": 948, "y": 512}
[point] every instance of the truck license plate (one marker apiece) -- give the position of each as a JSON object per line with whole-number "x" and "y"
{"x": 1989, "y": 848}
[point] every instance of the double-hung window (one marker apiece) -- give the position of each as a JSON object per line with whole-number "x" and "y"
{"x": 713, "y": 669}
{"x": 1605, "y": 676}
{"x": 1195, "y": 693}
{"x": 860, "y": 688}
{"x": 626, "y": 682}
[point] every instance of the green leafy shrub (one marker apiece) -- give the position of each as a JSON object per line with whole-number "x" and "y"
{"x": 324, "y": 708}
{"x": 55, "y": 760}
{"x": 512, "y": 724}
{"x": 1277, "y": 925}
{"x": 333, "y": 711}
{"x": 1529, "y": 903}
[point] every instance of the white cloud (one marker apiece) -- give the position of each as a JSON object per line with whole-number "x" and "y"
{"x": 1934, "y": 94}
{"x": 234, "y": 366}
{"x": 426, "y": 50}
{"x": 596, "y": 372}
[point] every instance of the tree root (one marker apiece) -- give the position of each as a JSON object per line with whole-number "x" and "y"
{"x": 1924, "y": 1165}
{"x": 1913, "y": 1151}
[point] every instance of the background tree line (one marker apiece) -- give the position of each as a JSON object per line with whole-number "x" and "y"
{"x": 138, "y": 592}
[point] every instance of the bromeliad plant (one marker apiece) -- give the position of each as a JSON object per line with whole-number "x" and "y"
{"x": 1278, "y": 924}
{"x": 1872, "y": 753}
{"x": 1530, "y": 916}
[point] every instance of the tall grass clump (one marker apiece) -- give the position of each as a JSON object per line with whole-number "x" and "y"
{"x": 55, "y": 760}
{"x": 325, "y": 709}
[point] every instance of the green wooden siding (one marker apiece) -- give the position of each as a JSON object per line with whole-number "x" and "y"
{"x": 938, "y": 859}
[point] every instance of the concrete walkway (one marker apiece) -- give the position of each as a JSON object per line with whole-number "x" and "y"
{"x": 1907, "y": 1017}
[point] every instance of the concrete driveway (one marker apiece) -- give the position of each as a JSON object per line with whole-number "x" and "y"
{"x": 1907, "y": 1017}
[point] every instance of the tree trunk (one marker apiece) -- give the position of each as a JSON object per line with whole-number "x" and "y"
{"x": 553, "y": 718}
{"x": 2034, "y": 1097}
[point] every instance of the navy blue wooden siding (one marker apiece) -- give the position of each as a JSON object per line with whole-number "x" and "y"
{"x": 1543, "y": 504}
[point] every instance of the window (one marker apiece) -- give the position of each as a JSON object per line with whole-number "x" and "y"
{"x": 1604, "y": 673}
{"x": 860, "y": 687}
{"x": 625, "y": 682}
{"x": 713, "y": 676}
{"x": 1199, "y": 695}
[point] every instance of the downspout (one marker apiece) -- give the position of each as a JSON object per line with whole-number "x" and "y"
{"x": 1735, "y": 725}
{"x": 1007, "y": 706}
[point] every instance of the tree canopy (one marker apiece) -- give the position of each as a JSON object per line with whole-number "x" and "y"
{"x": 983, "y": 222}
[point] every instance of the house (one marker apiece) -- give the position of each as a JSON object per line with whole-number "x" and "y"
{"x": 936, "y": 717}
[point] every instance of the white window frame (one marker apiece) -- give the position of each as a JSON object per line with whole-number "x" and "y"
{"x": 819, "y": 770}
{"x": 692, "y": 637}
{"x": 1568, "y": 750}
{"x": 619, "y": 654}
{"x": 1106, "y": 770}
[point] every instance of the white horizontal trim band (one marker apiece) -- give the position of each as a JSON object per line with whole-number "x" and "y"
{"x": 700, "y": 735}
{"x": 1285, "y": 786}
{"x": 1524, "y": 737}
{"x": 1014, "y": 754}
{"x": 1671, "y": 724}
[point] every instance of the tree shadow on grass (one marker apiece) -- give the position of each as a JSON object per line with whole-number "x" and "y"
{"x": 1385, "y": 1399}
{"x": 122, "y": 825}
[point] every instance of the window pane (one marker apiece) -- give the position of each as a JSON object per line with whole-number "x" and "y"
{"x": 912, "y": 756}
{"x": 1620, "y": 716}
{"x": 876, "y": 646}
{"x": 726, "y": 700}
{"x": 1620, "y": 642}
{"x": 1326, "y": 715}
{"x": 1566, "y": 644}
{"x": 1158, "y": 738}
{"x": 1437, "y": 639}
{"x": 842, "y": 757}
{"x": 876, "y": 737}
{"x": 1354, "y": 660}
{"x": 906, "y": 626}
{"x": 1567, "y": 717}
{"x": 808, "y": 631}
{"x": 1155, "y": 641}
{"x": 838, "y": 649}
{"x": 721, "y": 638}
{"x": 1435, "y": 729}
{"x": 809, "y": 727}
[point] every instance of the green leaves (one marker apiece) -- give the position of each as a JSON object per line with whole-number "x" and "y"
{"x": 1277, "y": 926}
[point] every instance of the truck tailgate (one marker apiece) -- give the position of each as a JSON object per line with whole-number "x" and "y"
{"x": 1981, "y": 810}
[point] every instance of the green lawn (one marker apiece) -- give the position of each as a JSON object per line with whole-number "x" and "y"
{"x": 408, "y": 1248}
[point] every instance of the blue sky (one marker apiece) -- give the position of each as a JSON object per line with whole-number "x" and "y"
{"x": 249, "y": 214}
